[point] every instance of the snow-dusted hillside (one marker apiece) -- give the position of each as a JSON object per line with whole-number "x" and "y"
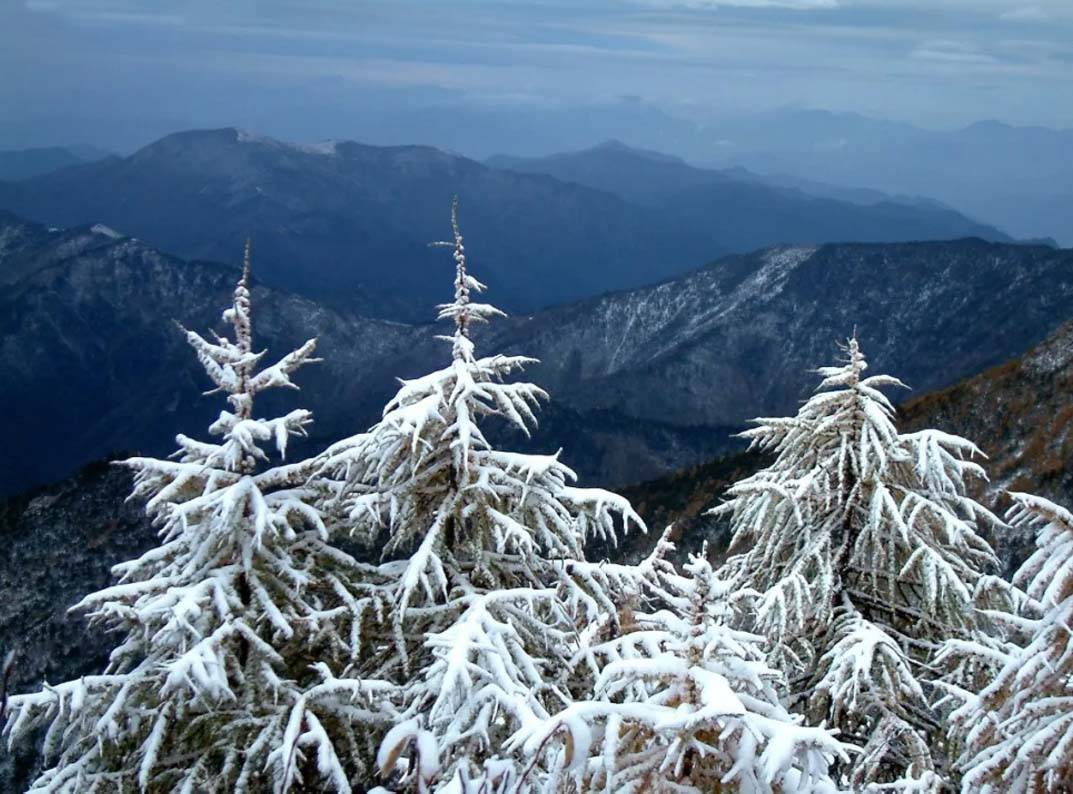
{"x": 642, "y": 382}
{"x": 738, "y": 338}
{"x": 90, "y": 314}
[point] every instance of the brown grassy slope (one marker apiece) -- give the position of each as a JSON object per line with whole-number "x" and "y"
{"x": 1019, "y": 413}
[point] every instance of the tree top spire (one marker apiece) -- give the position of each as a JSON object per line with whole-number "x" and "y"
{"x": 239, "y": 313}
{"x": 855, "y": 360}
{"x": 462, "y": 310}
{"x": 461, "y": 287}
{"x": 246, "y": 263}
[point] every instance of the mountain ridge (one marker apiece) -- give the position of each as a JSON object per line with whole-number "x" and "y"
{"x": 350, "y": 224}
{"x": 642, "y": 381}
{"x": 650, "y": 177}
{"x": 91, "y": 311}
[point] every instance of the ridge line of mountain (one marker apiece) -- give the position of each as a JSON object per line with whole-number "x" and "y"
{"x": 352, "y": 229}
{"x": 643, "y": 381}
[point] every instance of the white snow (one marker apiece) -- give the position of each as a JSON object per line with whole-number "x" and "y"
{"x": 106, "y": 231}
{"x": 857, "y": 544}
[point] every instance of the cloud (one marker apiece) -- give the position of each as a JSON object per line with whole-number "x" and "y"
{"x": 945, "y": 62}
{"x": 946, "y": 51}
{"x": 1025, "y": 14}
{"x": 800, "y": 5}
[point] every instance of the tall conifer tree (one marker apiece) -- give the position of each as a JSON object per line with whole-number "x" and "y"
{"x": 861, "y": 548}
{"x": 232, "y": 630}
{"x": 1018, "y": 731}
{"x": 484, "y": 592}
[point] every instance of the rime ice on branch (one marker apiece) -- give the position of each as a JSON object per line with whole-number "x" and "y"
{"x": 484, "y": 593}
{"x": 684, "y": 703}
{"x": 232, "y": 631}
{"x": 1019, "y": 728}
{"x": 861, "y": 547}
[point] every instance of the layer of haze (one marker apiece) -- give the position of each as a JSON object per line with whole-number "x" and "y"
{"x": 905, "y": 96}
{"x": 117, "y": 73}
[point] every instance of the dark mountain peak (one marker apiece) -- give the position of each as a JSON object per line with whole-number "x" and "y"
{"x": 225, "y": 148}
{"x": 989, "y": 125}
{"x": 237, "y": 142}
{"x": 613, "y": 145}
{"x": 189, "y": 139}
{"x": 247, "y": 159}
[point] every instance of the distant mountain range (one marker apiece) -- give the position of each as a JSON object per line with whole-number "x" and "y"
{"x": 26, "y": 163}
{"x": 747, "y": 211}
{"x": 1015, "y": 177}
{"x": 652, "y": 178}
{"x": 643, "y": 381}
{"x": 349, "y": 224}
{"x": 1018, "y": 177}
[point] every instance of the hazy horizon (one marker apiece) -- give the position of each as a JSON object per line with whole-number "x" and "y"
{"x": 90, "y": 149}
{"x": 120, "y": 73}
{"x": 719, "y": 83}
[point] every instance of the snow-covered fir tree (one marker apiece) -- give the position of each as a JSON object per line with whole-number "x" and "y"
{"x": 1018, "y": 731}
{"x": 685, "y": 703}
{"x": 860, "y": 552}
{"x": 231, "y": 631}
{"x": 484, "y": 592}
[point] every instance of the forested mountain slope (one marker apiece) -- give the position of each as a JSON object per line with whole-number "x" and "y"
{"x": 350, "y": 224}
{"x": 94, "y": 362}
{"x": 738, "y": 338}
{"x": 643, "y": 382}
{"x": 1020, "y": 413}
{"x": 63, "y": 538}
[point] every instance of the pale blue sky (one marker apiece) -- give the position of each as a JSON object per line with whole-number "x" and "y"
{"x": 121, "y": 72}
